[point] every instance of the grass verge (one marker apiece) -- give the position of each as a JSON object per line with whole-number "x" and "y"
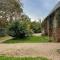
{"x": 33, "y": 39}
{"x": 22, "y": 58}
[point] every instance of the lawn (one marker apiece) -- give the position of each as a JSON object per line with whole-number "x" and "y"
{"x": 33, "y": 39}
{"x": 21, "y": 58}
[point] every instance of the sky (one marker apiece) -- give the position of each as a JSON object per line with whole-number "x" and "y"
{"x": 38, "y": 9}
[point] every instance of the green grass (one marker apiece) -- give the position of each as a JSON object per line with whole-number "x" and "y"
{"x": 21, "y": 58}
{"x": 33, "y": 39}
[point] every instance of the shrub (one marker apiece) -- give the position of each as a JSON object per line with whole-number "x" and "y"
{"x": 36, "y": 27}
{"x": 19, "y": 29}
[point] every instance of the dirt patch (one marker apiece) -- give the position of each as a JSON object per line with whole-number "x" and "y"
{"x": 48, "y": 50}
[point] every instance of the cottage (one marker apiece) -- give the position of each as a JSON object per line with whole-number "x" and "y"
{"x": 51, "y": 24}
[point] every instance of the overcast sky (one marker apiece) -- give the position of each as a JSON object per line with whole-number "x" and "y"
{"x": 37, "y": 9}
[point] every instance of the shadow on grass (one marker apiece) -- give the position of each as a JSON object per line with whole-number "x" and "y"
{"x": 17, "y": 40}
{"x": 25, "y": 38}
{"x": 32, "y": 39}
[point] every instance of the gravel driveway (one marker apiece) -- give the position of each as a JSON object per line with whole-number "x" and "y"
{"x": 48, "y": 50}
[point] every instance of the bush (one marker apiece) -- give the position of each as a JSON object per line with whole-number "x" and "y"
{"x": 19, "y": 29}
{"x": 36, "y": 27}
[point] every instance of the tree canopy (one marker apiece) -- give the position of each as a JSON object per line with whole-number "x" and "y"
{"x": 9, "y": 10}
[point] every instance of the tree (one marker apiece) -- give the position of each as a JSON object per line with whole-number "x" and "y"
{"x": 10, "y": 9}
{"x": 19, "y": 29}
{"x": 36, "y": 27}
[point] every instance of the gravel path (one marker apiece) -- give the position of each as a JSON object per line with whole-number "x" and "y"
{"x": 48, "y": 50}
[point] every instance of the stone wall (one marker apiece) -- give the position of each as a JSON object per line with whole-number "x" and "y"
{"x": 52, "y": 25}
{"x": 56, "y": 26}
